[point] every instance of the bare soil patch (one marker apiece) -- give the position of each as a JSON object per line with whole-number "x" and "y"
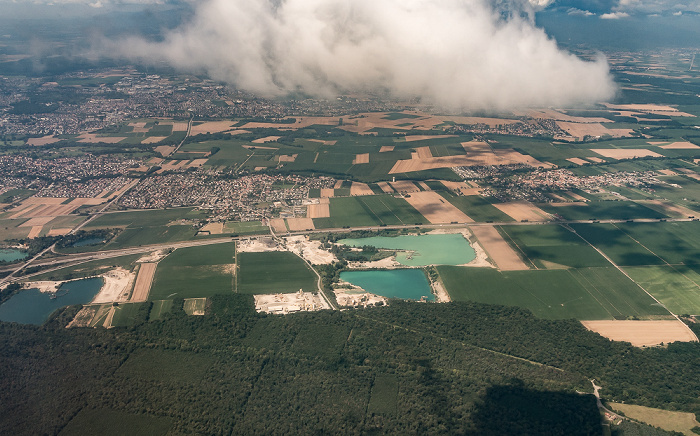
{"x": 505, "y": 257}
{"x": 213, "y": 228}
{"x": 523, "y": 211}
{"x": 362, "y": 158}
{"x": 93, "y": 138}
{"x": 300, "y": 224}
{"x": 386, "y": 148}
{"x": 642, "y": 333}
{"x": 436, "y": 209}
{"x": 257, "y": 245}
{"x": 266, "y": 139}
{"x": 50, "y": 139}
{"x": 310, "y": 250}
{"x": 321, "y": 210}
{"x": 424, "y": 153}
{"x": 153, "y": 139}
{"x": 577, "y": 161}
{"x": 625, "y": 153}
{"x": 287, "y": 157}
{"x": 461, "y": 187}
{"x": 117, "y": 284}
{"x": 144, "y": 280}
{"x": 165, "y": 150}
{"x": 35, "y": 231}
{"x": 354, "y": 296}
{"x": 289, "y": 303}
{"x": 36, "y": 221}
{"x": 679, "y": 146}
{"x": 327, "y": 192}
{"x": 358, "y": 188}
{"x": 58, "y": 232}
{"x": 278, "y": 225}
{"x": 581, "y": 130}
{"x": 211, "y": 127}
{"x": 386, "y": 187}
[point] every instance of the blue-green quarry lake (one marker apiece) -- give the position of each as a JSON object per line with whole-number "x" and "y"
{"x": 34, "y": 307}
{"x": 422, "y": 250}
{"x": 407, "y": 284}
{"x": 11, "y": 254}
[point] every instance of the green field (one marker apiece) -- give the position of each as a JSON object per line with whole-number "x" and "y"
{"x": 273, "y": 272}
{"x": 195, "y": 272}
{"x": 584, "y": 293}
{"x": 677, "y": 287}
{"x": 108, "y": 422}
{"x": 633, "y": 244}
{"x": 476, "y": 207}
{"x": 551, "y": 247}
{"x": 371, "y": 210}
{"x": 600, "y": 210}
{"x": 245, "y": 228}
{"x": 144, "y": 218}
{"x": 126, "y": 314}
{"x": 159, "y": 309}
{"x": 87, "y": 269}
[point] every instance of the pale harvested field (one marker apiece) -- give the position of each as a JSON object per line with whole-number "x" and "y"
{"x": 505, "y": 258}
{"x": 424, "y": 186}
{"x": 211, "y": 127}
{"x": 213, "y": 228}
{"x": 33, "y": 207}
{"x": 300, "y": 224}
{"x": 35, "y": 231}
{"x": 577, "y": 161}
{"x": 404, "y": 186}
{"x": 155, "y": 161}
{"x": 58, "y": 232}
{"x": 682, "y": 422}
{"x": 362, "y": 158}
{"x": 327, "y": 192}
{"x": 386, "y": 187}
{"x": 576, "y": 196}
{"x": 153, "y": 139}
{"x": 41, "y": 221}
{"x": 579, "y": 130}
{"x": 45, "y": 200}
{"x": 491, "y": 122}
{"x": 172, "y": 165}
{"x": 82, "y": 201}
{"x": 301, "y": 122}
{"x": 673, "y": 210}
{"x": 165, "y": 150}
{"x": 93, "y": 138}
{"x": 144, "y": 280}
{"x": 642, "y": 333}
{"x": 461, "y": 187}
{"x": 42, "y": 141}
{"x": 197, "y": 163}
{"x": 411, "y": 138}
{"x": 679, "y": 146}
{"x": 338, "y": 185}
{"x": 358, "y": 188}
{"x": 625, "y": 153}
{"x": 323, "y": 142}
{"x": 318, "y": 210}
{"x": 522, "y": 210}
{"x": 424, "y": 153}
{"x": 436, "y": 209}
{"x": 278, "y": 225}
{"x": 477, "y": 153}
{"x": 287, "y": 157}
{"x": 651, "y": 108}
{"x": 668, "y": 172}
{"x": 139, "y": 127}
{"x": 595, "y": 159}
{"x": 178, "y": 126}
{"x": 386, "y": 148}
{"x": 266, "y": 139}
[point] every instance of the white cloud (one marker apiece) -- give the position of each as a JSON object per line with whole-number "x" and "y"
{"x": 614, "y": 15}
{"x": 574, "y": 11}
{"x": 459, "y": 54}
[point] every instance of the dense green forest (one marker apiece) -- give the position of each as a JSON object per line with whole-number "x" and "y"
{"x": 455, "y": 368}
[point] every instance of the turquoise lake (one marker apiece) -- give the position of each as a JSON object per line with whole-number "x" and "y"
{"x": 449, "y": 249}
{"x": 34, "y": 307}
{"x": 11, "y": 254}
{"x": 407, "y": 284}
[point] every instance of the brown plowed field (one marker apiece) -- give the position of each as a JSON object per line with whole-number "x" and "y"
{"x": 505, "y": 258}
{"x": 143, "y": 282}
{"x": 436, "y": 209}
{"x": 361, "y": 159}
{"x": 642, "y": 333}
